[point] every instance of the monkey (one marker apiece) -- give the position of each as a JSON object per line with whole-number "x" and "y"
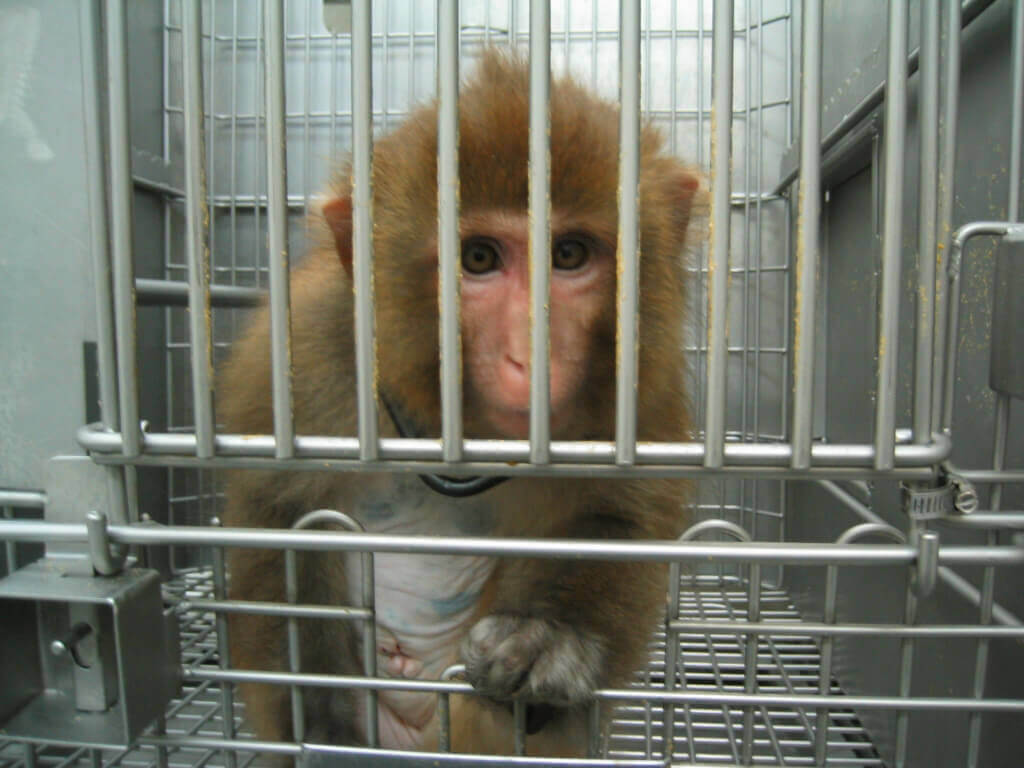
{"x": 547, "y": 632}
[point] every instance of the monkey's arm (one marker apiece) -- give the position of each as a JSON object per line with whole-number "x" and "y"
{"x": 556, "y": 630}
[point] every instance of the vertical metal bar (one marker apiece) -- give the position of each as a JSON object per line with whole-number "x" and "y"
{"x": 906, "y": 662}
{"x": 362, "y": 227}
{"x": 594, "y": 729}
{"x": 99, "y": 244}
{"x": 449, "y": 249}
{"x": 808, "y": 228}
{"x": 277, "y": 230}
{"x": 825, "y": 669}
{"x": 196, "y": 211}
{"x": 227, "y": 692}
{"x": 944, "y": 226}
{"x": 927, "y": 213}
{"x": 1016, "y": 112}
{"x": 718, "y": 253}
{"x": 671, "y": 658}
{"x": 370, "y": 646}
{"x": 540, "y": 230}
{"x": 30, "y": 755}
{"x": 999, "y": 444}
{"x": 291, "y": 587}
{"x": 10, "y": 548}
{"x": 892, "y": 235}
{"x": 100, "y": 247}
{"x": 519, "y": 727}
{"x": 627, "y": 358}
{"x": 119, "y": 149}
{"x": 750, "y": 662}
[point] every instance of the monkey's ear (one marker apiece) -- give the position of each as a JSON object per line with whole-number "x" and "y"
{"x": 687, "y": 197}
{"x": 338, "y": 213}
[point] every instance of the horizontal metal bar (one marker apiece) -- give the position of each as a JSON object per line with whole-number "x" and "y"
{"x": 509, "y": 454}
{"x": 820, "y": 629}
{"x": 29, "y": 499}
{"x": 771, "y": 553}
{"x": 1002, "y": 519}
{"x": 990, "y": 475}
{"x": 929, "y": 703}
{"x": 170, "y": 293}
{"x": 260, "y": 608}
{"x": 232, "y": 745}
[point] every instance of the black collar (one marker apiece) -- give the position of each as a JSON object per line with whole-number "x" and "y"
{"x": 456, "y": 487}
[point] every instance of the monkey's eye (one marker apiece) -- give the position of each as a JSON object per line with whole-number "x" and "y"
{"x": 569, "y": 253}
{"x": 479, "y": 257}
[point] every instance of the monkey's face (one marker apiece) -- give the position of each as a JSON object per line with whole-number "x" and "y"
{"x": 496, "y": 323}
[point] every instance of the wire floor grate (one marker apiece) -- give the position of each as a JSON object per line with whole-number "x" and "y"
{"x": 705, "y": 735}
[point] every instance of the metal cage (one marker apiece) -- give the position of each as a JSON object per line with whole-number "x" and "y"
{"x": 851, "y": 591}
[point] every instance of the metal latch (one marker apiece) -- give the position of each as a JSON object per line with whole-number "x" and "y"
{"x": 953, "y": 494}
{"x": 87, "y": 660}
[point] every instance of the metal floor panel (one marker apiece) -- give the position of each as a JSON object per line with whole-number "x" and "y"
{"x": 705, "y": 735}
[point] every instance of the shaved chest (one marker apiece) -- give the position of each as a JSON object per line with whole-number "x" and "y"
{"x": 423, "y": 601}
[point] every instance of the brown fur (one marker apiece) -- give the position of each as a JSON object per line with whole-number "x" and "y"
{"x": 617, "y": 602}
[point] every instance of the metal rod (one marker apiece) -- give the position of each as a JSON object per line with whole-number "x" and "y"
{"x": 168, "y": 293}
{"x": 823, "y": 629}
{"x": 501, "y": 456}
{"x": 291, "y": 580}
{"x": 1016, "y": 113}
{"x": 362, "y": 227}
{"x": 892, "y": 235}
{"x": 927, "y": 219}
{"x": 277, "y": 230}
{"x": 718, "y": 252}
{"x": 29, "y": 499}
{"x": 449, "y": 247}
{"x": 763, "y": 553}
{"x": 10, "y": 548}
{"x": 808, "y": 227}
{"x": 627, "y": 346}
{"x": 959, "y": 242}
{"x": 99, "y": 245}
{"x": 718, "y": 698}
{"x": 540, "y": 230}
{"x": 261, "y": 608}
{"x": 121, "y": 219}
{"x": 999, "y": 447}
{"x": 227, "y": 693}
{"x": 196, "y": 245}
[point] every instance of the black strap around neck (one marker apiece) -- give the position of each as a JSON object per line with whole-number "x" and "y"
{"x": 456, "y": 487}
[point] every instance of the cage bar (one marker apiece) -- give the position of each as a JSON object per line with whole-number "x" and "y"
{"x": 449, "y": 247}
{"x": 362, "y": 228}
{"x": 198, "y": 253}
{"x": 277, "y": 229}
{"x": 808, "y": 227}
{"x": 944, "y": 225}
{"x": 718, "y": 252}
{"x": 540, "y": 231}
{"x": 892, "y": 235}
{"x": 927, "y": 219}
{"x": 627, "y": 351}
{"x": 121, "y": 218}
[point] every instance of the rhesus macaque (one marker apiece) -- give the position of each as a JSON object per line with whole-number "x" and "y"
{"x": 546, "y": 631}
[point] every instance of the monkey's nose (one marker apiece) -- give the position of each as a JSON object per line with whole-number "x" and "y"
{"x": 515, "y": 381}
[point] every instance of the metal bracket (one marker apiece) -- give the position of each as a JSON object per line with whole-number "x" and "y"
{"x": 87, "y": 661}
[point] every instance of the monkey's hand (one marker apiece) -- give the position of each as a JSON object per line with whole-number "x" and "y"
{"x": 537, "y": 660}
